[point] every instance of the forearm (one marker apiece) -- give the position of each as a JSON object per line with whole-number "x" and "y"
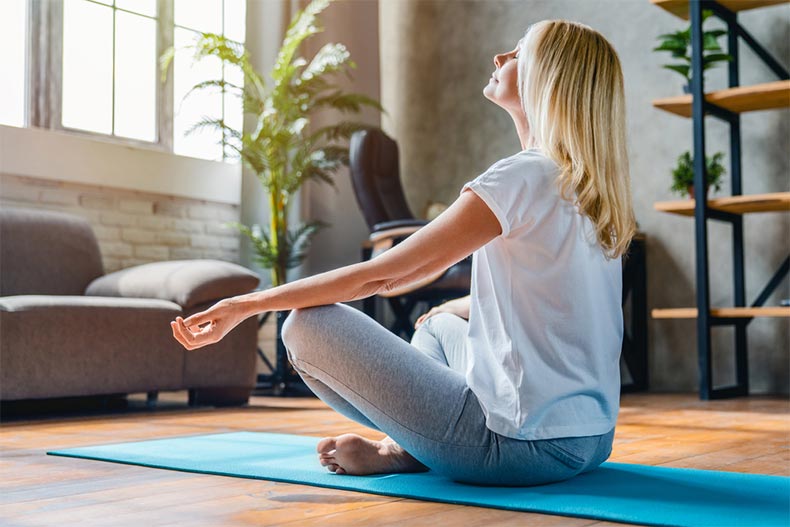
{"x": 345, "y": 284}
{"x": 466, "y": 305}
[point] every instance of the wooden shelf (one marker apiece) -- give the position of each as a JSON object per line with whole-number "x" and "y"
{"x": 773, "y": 202}
{"x": 680, "y": 8}
{"x": 723, "y": 312}
{"x": 766, "y": 96}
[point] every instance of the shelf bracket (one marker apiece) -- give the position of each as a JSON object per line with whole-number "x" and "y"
{"x": 730, "y": 19}
{"x": 773, "y": 283}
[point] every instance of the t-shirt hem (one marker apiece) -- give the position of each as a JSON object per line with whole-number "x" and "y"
{"x": 551, "y": 432}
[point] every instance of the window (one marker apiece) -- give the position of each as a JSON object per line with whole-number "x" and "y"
{"x": 209, "y": 16}
{"x": 96, "y": 69}
{"x": 109, "y": 70}
{"x": 13, "y": 62}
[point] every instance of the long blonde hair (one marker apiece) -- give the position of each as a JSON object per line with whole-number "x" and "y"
{"x": 571, "y": 89}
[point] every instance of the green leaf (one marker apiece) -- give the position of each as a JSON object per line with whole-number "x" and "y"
{"x": 329, "y": 59}
{"x": 672, "y": 45}
{"x": 683, "y": 69}
{"x": 713, "y": 57}
{"x": 299, "y": 240}
{"x": 341, "y": 130}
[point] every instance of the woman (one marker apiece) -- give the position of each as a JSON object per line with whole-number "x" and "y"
{"x": 525, "y": 392}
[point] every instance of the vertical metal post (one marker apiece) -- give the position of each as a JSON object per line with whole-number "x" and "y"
{"x": 739, "y": 282}
{"x": 701, "y": 206}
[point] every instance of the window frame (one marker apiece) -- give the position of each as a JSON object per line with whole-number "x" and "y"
{"x": 44, "y": 83}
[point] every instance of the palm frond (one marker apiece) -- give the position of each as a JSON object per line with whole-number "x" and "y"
{"x": 210, "y": 122}
{"x": 303, "y": 26}
{"x": 347, "y": 102}
{"x": 216, "y": 83}
{"x": 341, "y": 130}
{"x": 298, "y": 242}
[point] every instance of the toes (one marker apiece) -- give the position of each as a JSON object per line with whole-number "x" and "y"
{"x": 339, "y": 470}
{"x": 333, "y": 467}
{"x": 326, "y": 445}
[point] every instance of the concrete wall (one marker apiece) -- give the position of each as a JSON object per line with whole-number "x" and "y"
{"x": 436, "y": 57}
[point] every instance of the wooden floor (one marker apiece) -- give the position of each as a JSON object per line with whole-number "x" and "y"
{"x": 740, "y": 435}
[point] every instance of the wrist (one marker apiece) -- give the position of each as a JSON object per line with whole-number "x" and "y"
{"x": 241, "y": 306}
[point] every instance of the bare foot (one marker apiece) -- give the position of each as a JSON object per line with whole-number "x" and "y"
{"x": 358, "y": 456}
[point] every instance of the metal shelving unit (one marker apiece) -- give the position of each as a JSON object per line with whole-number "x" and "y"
{"x": 727, "y": 106}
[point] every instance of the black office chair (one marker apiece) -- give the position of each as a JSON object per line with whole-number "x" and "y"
{"x": 375, "y": 174}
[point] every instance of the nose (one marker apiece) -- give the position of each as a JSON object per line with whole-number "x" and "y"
{"x": 499, "y": 59}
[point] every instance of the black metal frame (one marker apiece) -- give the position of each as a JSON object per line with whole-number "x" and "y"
{"x": 282, "y": 379}
{"x": 702, "y": 213}
{"x": 402, "y": 307}
{"x": 634, "y": 349}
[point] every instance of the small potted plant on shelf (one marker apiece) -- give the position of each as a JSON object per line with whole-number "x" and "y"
{"x": 683, "y": 174}
{"x": 678, "y": 44}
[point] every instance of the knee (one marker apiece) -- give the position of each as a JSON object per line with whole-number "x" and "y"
{"x": 303, "y": 324}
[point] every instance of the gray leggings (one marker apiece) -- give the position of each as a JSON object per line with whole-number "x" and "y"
{"x": 416, "y": 394}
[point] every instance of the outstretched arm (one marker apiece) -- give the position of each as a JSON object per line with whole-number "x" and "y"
{"x": 452, "y": 236}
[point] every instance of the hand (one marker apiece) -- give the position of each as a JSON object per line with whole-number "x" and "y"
{"x": 216, "y": 322}
{"x": 459, "y": 306}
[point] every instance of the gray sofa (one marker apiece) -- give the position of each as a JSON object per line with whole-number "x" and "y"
{"x": 67, "y": 329}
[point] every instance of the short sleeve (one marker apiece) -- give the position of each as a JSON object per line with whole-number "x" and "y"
{"x": 506, "y": 188}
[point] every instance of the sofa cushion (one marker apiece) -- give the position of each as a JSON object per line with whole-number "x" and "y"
{"x": 46, "y": 253}
{"x": 185, "y": 282}
{"x": 59, "y": 346}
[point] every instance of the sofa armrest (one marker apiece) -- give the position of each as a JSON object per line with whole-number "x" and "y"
{"x": 185, "y": 282}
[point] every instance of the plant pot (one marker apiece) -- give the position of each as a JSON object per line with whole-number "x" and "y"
{"x": 690, "y": 190}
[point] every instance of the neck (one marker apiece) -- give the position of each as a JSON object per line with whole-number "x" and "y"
{"x": 522, "y": 129}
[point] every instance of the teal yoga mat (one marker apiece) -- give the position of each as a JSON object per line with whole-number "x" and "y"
{"x": 640, "y": 494}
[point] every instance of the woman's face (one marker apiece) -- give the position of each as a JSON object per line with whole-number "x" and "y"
{"x": 502, "y": 87}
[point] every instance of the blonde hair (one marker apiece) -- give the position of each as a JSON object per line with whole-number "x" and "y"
{"x": 571, "y": 89}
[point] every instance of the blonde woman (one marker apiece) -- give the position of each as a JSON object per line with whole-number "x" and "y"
{"x": 518, "y": 383}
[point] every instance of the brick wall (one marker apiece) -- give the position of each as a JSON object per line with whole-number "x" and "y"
{"x": 134, "y": 227}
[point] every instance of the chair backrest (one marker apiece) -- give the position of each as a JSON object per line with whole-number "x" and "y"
{"x": 375, "y": 175}
{"x": 44, "y": 252}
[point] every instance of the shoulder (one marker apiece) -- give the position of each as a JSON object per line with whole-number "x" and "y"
{"x": 530, "y": 162}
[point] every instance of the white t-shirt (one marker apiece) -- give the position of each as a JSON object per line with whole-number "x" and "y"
{"x": 546, "y": 322}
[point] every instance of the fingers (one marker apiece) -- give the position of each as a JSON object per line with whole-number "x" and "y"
{"x": 197, "y": 319}
{"x": 189, "y": 339}
{"x": 424, "y": 316}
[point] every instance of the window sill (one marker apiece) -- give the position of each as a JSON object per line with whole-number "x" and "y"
{"x": 62, "y": 156}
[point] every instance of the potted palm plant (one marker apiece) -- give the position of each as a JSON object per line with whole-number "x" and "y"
{"x": 678, "y": 44}
{"x": 282, "y": 150}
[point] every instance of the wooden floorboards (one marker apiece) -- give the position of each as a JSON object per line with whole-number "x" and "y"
{"x": 678, "y": 430}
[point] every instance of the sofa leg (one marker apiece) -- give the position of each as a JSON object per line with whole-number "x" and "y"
{"x": 151, "y": 398}
{"x": 222, "y": 396}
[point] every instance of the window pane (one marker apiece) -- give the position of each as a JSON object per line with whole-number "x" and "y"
{"x": 13, "y": 27}
{"x": 87, "y": 66}
{"x": 200, "y": 15}
{"x": 135, "y": 76}
{"x": 144, "y": 7}
{"x": 234, "y": 19}
{"x": 234, "y": 115}
{"x": 199, "y": 104}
